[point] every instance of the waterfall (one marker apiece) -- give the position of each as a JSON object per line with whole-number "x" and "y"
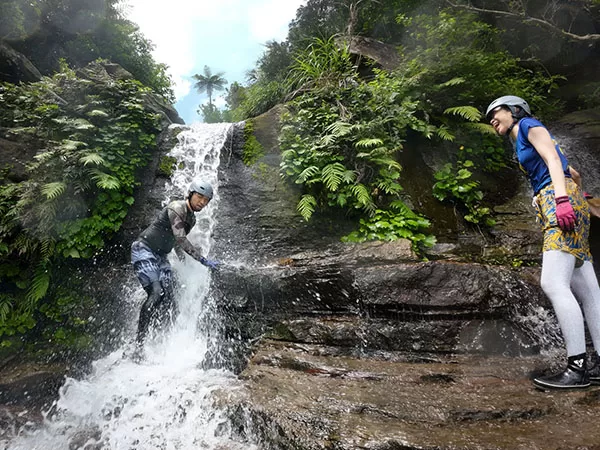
{"x": 168, "y": 400}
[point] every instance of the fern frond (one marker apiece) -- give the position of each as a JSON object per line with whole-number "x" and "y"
{"x": 25, "y": 244}
{"x": 389, "y": 163}
{"x": 47, "y": 248}
{"x": 306, "y": 206}
{"x": 362, "y": 195}
{"x": 92, "y": 158}
{"x": 369, "y": 142}
{"x": 444, "y": 133}
{"x": 470, "y": 113}
{"x": 104, "y": 180}
{"x": 328, "y": 139}
{"x": 336, "y": 130}
{"x": 482, "y": 128}
{"x": 332, "y": 176}
{"x": 401, "y": 208}
{"x": 453, "y": 82}
{"x": 5, "y": 307}
{"x": 307, "y": 173}
{"x": 69, "y": 145}
{"x": 390, "y": 187}
{"x": 53, "y": 190}
{"x": 39, "y": 286}
{"x": 349, "y": 176}
{"x": 45, "y": 156}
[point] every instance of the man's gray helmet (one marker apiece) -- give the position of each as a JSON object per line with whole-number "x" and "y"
{"x": 510, "y": 101}
{"x": 201, "y": 187}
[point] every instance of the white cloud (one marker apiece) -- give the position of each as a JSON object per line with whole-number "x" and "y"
{"x": 269, "y": 19}
{"x": 174, "y": 27}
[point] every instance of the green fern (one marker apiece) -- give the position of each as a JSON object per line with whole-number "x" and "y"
{"x": 388, "y": 163}
{"x": 39, "y": 285}
{"x": 453, "y": 82}
{"x": 390, "y": 187}
{"x": 444, "y": 133}
{"x": 92, "y": 158}
{"x": 368, "y": 143}
{"x": 468, "y": 112}
{"x": 348, "y": 176}
{"x": 74, "y": 124}
{"x": 53, "y": 190}
{"x": 47, "y": 249}
{"x": 482, "y": 128}
{"x": 363, "y": 196}
{"x": 336, "y": 130}
{"x": 68, "y": 145}
{"x": 104, "y": 180}
{"x": 5, "y": 307}
{"x": 45, "y": 156}
{"x": 306, "y": 206}
{"x": 332, "y": 175}
{"x": 306, "y": 174}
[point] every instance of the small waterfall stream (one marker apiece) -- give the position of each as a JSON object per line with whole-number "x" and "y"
{"x": 166, "y": 401}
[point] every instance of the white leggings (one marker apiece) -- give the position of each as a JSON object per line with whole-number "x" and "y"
{"x": 560, "y": 280}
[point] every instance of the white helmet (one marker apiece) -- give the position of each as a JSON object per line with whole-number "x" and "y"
{"x": 511, "y": 102}
{"x": 201, "y": 187}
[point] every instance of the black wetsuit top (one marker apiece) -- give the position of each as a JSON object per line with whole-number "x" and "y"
{"x": 170, "y": 229}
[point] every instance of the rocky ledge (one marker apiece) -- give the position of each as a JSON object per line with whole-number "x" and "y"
{"x": 315, "y": 397}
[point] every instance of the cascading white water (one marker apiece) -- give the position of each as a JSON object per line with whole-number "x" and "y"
{"x": 166, "y": 401}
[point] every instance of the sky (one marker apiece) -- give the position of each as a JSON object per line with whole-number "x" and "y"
{"x": 226, "y": 35}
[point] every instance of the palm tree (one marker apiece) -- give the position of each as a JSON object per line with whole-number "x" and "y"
{"x": 209, "y": 82}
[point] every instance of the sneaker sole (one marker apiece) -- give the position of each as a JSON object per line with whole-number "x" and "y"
{"x": 543, "y": 385}
{"x": 595, "y": 381}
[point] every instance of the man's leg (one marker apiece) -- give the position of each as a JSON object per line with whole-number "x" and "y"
{"x": 147, "y": 266}
{"x": 148, "y": 311}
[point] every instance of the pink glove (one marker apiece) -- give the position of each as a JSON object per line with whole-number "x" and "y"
{"x": 565, "y": 216}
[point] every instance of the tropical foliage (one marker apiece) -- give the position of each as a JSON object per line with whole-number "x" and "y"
{"x": 341, "y": 135}
{"x": 92, "y": 137}
{"x": 344, "y": 133}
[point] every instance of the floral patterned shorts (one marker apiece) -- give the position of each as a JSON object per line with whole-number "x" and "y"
{"x": 575, "y": 242}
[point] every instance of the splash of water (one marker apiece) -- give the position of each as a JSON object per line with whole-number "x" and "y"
{"x": 167, "y": 401}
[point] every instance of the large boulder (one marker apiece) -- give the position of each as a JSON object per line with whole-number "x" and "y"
{"x": 15, "y": 67}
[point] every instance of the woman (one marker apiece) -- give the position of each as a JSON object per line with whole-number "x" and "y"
{"x": 567, "y": 269}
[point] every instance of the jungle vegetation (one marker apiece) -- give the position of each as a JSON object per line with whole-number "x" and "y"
{"x": 347, "y": 123}
{"x": 89, "y": 134}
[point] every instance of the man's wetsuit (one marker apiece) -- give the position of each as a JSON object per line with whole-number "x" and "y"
{"x": 149, "y": 257}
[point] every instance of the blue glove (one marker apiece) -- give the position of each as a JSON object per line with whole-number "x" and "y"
{"x": 214, "y": 265}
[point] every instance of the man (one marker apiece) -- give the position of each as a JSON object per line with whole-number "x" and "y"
{"x": 149, "y": 253}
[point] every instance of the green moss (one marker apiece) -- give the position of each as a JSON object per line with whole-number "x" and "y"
{"x": 253, "y": 151}
{"x": 166, "y": 167}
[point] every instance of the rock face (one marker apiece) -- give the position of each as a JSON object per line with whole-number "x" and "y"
{"x": 367, "y": 346}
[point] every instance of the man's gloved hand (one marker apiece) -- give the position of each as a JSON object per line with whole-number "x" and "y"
{"x": 565, "y": 216}
{"x": 213, "y": 265}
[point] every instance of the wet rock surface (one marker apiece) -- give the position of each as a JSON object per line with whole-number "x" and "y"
{"x": 319, "y": 397}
